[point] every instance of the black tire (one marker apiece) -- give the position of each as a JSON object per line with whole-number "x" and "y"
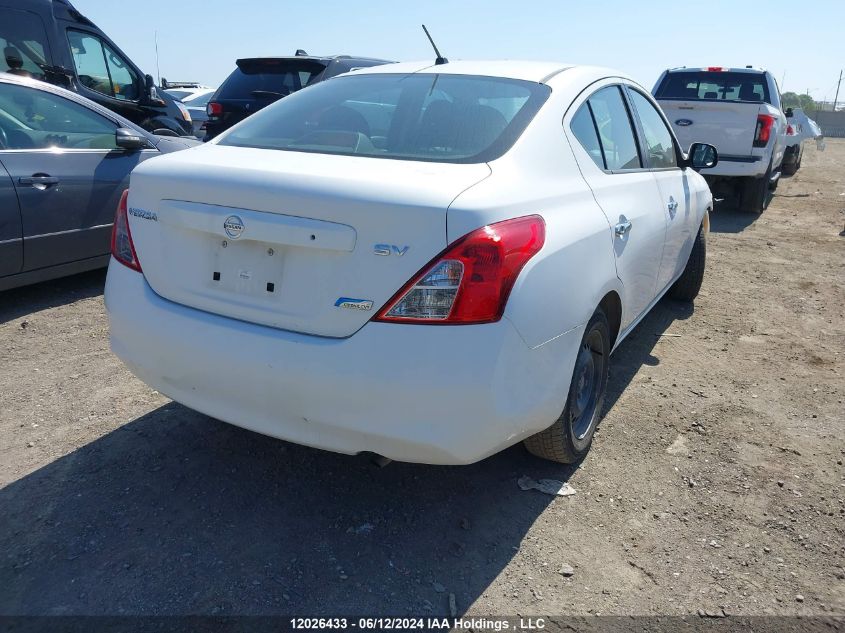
{"x": 789, "y": 170}
{"x": 755, "y": 193}
{"x": 569, "y": 439}
{"x": 689, "y": 283}
{"x": 774, "y": 185}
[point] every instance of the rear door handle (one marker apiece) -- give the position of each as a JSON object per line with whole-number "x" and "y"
{"x": 39, "y": 182}
{"x": 622, "y": 228}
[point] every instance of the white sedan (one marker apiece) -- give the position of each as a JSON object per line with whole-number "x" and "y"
{"x": 426, "y": 262}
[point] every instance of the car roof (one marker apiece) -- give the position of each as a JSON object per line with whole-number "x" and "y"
{"x": 557, "y": 74}
{"x": 509, "y": 69}
{"x": 35, "y": 84}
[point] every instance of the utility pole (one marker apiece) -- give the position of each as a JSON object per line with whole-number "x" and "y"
{"x": 836, "y": 98}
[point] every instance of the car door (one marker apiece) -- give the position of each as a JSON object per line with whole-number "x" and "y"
{"x": 67, "y": 172}
{"x": 606, "y": 148}
{"x": 662, "y": 157}
{"x": 11, "y": 235}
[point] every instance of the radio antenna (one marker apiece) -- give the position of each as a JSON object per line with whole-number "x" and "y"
{"x": 440, "y": 59}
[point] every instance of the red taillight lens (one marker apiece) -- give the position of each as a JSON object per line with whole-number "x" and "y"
{"x": 212, "y": 108}
{"x": 765, "y": 123}
{"x": 122, "y": 248}
{"x": 790, "y": 131}
{"x": 714, "y": 69}
{"x": 471, "y": 280}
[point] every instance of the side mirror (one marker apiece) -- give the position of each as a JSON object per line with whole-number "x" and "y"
{"x": 151, "y": 93}
{"x": 702, "y": 156}
{"x": 130, "y": 139}
{"x": 789, "y": 113}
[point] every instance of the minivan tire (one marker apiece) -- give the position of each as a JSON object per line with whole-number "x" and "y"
{"x": 689, "y": 283}
{"x": 569, "y": 439}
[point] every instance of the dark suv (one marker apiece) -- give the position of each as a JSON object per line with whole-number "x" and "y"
{"x": 259, "y": 81}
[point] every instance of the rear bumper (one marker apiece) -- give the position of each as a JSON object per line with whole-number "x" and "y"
{"x": 439, "y": 395}
{"x": 730, "y": 166}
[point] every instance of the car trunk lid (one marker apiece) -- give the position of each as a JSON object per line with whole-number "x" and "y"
{"x": 289, "y": 239}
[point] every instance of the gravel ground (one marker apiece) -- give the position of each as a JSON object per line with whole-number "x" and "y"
{"x": 715, "y": 483}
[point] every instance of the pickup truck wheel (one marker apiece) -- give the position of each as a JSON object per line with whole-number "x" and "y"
{"x": 755, "y": 194}
{"x": 568, "y": 440}
{"x": 689, "y": 283}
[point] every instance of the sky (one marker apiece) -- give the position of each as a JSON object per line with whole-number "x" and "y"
{"x": 199, "y": 40}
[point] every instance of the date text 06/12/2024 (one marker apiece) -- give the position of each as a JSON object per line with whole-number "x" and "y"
{"x": 419, "y": 624}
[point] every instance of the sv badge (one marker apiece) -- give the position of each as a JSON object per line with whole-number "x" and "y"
{"x": 390, "y": 249}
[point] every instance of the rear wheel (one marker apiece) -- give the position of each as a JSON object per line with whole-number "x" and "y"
{"x": 568, "y": 440}
{"x": 755, "y": 193}
{"x": 689, "y": 283}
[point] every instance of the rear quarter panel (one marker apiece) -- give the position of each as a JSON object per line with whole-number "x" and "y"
{"x": 561, "y": 286}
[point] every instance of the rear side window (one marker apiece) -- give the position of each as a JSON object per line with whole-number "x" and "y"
{"x": 714, "y": 86}
{"x": 613, "y": 124}
{"x": 23, "y": 41}
{"x": 658, "y": 138}
{"x": 428, "y": 117}
{"x": 584, "y": 129}
{"x": 269, "y": 79}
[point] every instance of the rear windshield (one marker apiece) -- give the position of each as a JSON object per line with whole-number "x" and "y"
{"x": 429, "y": 117}
{"x": 269, "y": 79}
{"x": 713, "y": 86}
{"x": 179, "y": 94}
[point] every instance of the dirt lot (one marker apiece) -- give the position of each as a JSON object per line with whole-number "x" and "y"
{"x": 716, "y": 480}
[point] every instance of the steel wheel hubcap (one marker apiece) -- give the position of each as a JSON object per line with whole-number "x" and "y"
{"x": 589, "y": 370}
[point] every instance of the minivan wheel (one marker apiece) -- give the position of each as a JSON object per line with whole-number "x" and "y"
{"x": 568, "y": 440}
{"x": 689, "y": 283}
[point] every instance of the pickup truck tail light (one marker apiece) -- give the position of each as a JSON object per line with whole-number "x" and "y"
{"x": 213, "y": 109}
{"x": 765, "y": 124}
{"x": 122, "y": 248}
{"x": 471, "y": 280}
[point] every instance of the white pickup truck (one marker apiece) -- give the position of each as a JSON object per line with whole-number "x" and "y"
{"x": 737, "y": 110}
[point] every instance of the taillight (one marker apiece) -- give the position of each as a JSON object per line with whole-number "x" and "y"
{"x": 214, "y": 109}
{"x": 714, "y": 69}
{"x": 765, "y": 123}
{"x": 790, "y": 131}
{"x": 471, "y": 280}
{"x": 122, "y": 248}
